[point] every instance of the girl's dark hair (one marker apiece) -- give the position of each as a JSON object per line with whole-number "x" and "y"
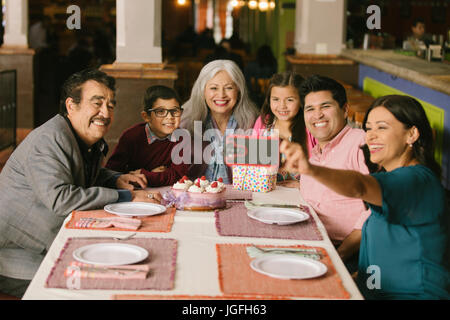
{"x": 154, "y": 93}
{"x": 410, "y": 112}
{"x": 73, "y": 85}
{"x": 285, "y": 79}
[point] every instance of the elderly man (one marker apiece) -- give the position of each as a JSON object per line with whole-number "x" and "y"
{"x": 58, "y": 169}
{"x": 338, "y": 146}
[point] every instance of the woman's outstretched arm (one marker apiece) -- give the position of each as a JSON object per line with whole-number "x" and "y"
{"x": 345, "y": 182}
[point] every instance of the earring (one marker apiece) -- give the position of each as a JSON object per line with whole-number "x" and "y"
{"x": 410, "y": 145}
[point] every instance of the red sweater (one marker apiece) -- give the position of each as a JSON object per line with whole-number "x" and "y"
{"x": 133, "y": 152}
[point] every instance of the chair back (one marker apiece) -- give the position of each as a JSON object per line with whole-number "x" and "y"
{"x": 8, "y": 109}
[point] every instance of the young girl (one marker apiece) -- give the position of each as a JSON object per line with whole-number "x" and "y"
{"x": 146, "y": 147}
{"x": 282, "y": 111}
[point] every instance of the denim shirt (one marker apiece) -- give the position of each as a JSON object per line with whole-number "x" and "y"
{"x": 217, "y": 167}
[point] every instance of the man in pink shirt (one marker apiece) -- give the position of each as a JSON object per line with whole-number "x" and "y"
{"x": 338, "y": 146}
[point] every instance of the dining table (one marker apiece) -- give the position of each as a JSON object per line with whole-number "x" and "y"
{"x": 202, "y": 255}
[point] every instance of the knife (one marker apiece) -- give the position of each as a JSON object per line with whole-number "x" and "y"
{"x": 115, "y": 270}
{"x": 272, "y": 205}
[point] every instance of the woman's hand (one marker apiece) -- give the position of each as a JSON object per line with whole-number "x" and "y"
{"x": 131, "y": 181}
{"x": 146, "y": 196}
{"x": 296, "y": 160}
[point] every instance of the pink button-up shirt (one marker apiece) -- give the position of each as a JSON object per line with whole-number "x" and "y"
{"x": 340, "y": 215}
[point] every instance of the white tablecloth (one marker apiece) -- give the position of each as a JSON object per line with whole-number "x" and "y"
{"x": 196, "y": 266}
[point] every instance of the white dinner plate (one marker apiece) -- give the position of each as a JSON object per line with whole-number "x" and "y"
{"x": 135, "y": 209}
{"x": 110, "y": 254}
{"x": 285, "y": 266}
{"x": 281, "y": 216}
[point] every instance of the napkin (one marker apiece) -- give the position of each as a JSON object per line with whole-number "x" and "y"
{"x": 84, "y": 270}
{"x": 254, "y": 252}
{"x": 118, "y": 222}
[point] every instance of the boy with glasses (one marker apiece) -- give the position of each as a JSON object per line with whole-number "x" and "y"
{"x": 146, "y": 147}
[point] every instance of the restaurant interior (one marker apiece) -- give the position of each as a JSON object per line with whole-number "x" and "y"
{"x": 192, "y": 31}
{"x": 332, "y": 38}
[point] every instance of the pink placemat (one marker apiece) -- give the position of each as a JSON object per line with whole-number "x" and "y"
{"x": 234, "y": 221}
{"x": 234, "y": 194}
{"x": 236, "y": 277}
{"x": 161, "y": 259}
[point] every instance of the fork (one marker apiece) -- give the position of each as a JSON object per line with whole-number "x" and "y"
{"x": 294, "y": 250}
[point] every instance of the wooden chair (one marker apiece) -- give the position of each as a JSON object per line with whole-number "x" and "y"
{"x": 260, "y": 85}
{"x": 358, "y": 106}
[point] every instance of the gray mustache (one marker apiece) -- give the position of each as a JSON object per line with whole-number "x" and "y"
{"x": 106, "y": 121}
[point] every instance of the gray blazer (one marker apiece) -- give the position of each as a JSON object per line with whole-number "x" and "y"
{"x": 41, "y": 183}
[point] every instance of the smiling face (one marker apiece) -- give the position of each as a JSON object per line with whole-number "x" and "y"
{"x": 92, "y": 117}
{"x": 284, "y": 102}
{"x": 162, "y": 127}
{"x": 323, "y": 116}
{"x": 388, "y": 139}
{"x": 221, "y": 94}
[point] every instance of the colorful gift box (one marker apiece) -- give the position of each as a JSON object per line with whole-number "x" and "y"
{"x": 254, "y": 178}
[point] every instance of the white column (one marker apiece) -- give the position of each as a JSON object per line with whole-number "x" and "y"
{"x": 320, "y": 26}
{"x": 138, "y": 31}
{"x": 16, "y": 23}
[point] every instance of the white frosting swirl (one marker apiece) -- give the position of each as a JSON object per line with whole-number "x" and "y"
{"x": 212, "y": 190}
{"x": 195, "y": 189}
{"x": 220, "y": 187}
{"x": 203, "y": 183}
{"x": 180, "y": 186}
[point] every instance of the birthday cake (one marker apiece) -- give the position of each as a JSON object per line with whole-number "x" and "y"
{"x": 199, "y": 195}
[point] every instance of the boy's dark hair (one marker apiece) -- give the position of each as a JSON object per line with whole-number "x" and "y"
{"x": 417, "y": 20}
{"x": 73, "y": 85}
{"x": 316, "y": 83}
{"x": 154, "y": 93}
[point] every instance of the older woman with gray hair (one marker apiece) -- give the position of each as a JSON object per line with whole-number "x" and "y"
{"x": 219, "y": 105}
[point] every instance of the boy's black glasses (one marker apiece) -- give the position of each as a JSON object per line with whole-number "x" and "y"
{"x": 162, "y": 113}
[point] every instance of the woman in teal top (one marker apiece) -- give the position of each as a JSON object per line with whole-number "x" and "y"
{"x": 404, "y": 250}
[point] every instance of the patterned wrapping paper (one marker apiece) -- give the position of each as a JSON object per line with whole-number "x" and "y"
{"x": 236, "y": 277}
{"x": 161, "y": 260}
{"x": 254, "y": 178}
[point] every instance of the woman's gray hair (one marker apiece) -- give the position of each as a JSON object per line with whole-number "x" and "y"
{"x": 196, "y": 109}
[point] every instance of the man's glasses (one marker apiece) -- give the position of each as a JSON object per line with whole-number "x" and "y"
{"x": 162, "y": 113}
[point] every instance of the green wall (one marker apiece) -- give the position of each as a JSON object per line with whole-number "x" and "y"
{"x": 271, "y": 28}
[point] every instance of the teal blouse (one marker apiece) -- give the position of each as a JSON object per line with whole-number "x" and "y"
{"x": 404, "y": 242}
